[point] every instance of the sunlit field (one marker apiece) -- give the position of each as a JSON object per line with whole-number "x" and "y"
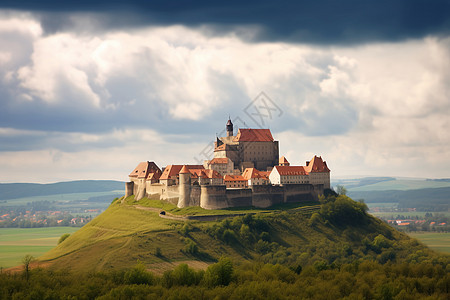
{"x": 15, "y": 243}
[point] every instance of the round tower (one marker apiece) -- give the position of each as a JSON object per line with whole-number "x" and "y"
{"x": 229, "y": 128}
{"x": 184, "y": 187}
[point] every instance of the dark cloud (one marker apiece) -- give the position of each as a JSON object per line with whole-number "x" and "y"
{"x": 319, "y": 22}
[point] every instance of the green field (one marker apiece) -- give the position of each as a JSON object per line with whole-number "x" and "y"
{"x": 437, "y": 241}
{"x": 407, "y": 214}
{"x": 15, "y": 243}
{"x": 401, "y": 184}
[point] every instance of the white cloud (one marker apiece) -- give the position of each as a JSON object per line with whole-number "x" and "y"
{"x": 378, "y": 109}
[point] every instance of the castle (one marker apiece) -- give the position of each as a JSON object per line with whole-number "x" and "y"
{"x": 246, "y": 171}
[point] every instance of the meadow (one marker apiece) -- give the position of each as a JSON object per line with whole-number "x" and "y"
{"x": 436, "y": 241}
{"x": 15, "y": 243}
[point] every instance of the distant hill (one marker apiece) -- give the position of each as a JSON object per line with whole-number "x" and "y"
{"x": 424, "y": 194}
{"x": 390, "y": 183}
{"x": 21, "y": 190}
{"x": 436, "y": 199}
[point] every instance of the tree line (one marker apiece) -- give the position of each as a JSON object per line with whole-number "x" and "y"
{"x": 362, "y": 279}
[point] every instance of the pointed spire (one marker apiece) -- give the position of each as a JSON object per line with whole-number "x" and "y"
{"x": 184, "y": 170}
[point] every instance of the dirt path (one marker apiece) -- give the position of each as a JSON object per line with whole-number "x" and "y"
{"x": 167, "y": 215}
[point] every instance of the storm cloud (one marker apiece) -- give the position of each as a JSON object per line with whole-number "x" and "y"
{"x": 318, "y": 22}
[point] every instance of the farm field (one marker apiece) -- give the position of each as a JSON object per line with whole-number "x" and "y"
{"x": 401, "y": 184}
{"x": 410, "y": 214}
{"x": 15, "y": 243}
{"x": 439, "y": 242}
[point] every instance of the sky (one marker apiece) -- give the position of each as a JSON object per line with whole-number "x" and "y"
{"x": 88, "y": 89}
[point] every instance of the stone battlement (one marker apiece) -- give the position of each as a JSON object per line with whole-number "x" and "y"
{"x": 219, "y": 197}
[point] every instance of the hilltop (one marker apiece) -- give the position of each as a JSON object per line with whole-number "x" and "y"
{"x": 336, "y": 232}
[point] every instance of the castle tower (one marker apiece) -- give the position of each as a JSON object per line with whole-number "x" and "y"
{"x": 184, "y": 187}
{"x": 229, "y": 128}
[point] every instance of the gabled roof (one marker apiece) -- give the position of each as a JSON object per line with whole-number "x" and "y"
{"x": 253, "y": 173}
{"x": 290, "y": 170}
{"x": 317, "y": 165}
{"x": 204, "y": 173}
{"x": 147, "y": 170}
{"x": 219, "y": 160}
{"x": 283, "y": 160}
{"x": 174, "y": 170}
{"x": 253, "y": 135}
{"x": 234, "y": 178}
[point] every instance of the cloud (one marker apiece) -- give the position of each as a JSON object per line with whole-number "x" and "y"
{"x": 161, "y": 93}
{"x": 318, "y": 22}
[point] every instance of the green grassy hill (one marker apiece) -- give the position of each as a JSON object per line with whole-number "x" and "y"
{"x": 339, "y": 232}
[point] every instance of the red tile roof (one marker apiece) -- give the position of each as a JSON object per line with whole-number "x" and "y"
{"x": 234, "y": 178}
{"x": 184, "y": 170}
{"x": 219, "y": 160}
{"x": 317, "y": 165}
{"x": 205, "y": 173}
{"x": 147, "y": 170}
{"x": 253, "y": 173}
{"x": 253, "y": 135}
{"x": 290, "y": 170}
{"x": 173, "y": 170}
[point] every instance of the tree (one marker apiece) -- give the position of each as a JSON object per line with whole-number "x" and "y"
{"x": 26, "y": 260}
{"x": 341, "y": 190}
{"x": 219, "y": 273}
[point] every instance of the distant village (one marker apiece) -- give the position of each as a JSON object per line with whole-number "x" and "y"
{"x": 32, "y": 219}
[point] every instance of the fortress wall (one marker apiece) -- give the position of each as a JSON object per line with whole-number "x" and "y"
{"x": 299, "y": 193}
{"x": 156, "y": 188}
{"x": 267, "y": 195}
{"x": 195, "y": 195}
{"x": 170, "y": 193}
{"x": 129, "y": 188}
{"x": 139, "y": 193}
{"x": 213, "y": 197}
{"x": 239, "y": 197}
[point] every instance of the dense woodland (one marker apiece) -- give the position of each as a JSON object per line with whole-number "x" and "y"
{"x": 223, "y": 280}
{"x": 362, "y": 258}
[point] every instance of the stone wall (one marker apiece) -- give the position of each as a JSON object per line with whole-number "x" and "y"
{"x": 239, "y": 197}
{"x": 219, "y": 197}
{"x": 267, "y": 195}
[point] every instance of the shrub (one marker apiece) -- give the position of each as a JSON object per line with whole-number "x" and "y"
{"x": 220, "y": 273}
{"x": 138, "y": 275}
{"x": 191, "y": 246}
{"x": 63, "y": 238}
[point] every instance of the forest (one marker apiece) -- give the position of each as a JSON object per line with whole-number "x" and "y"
{"x": 364, "y": 279}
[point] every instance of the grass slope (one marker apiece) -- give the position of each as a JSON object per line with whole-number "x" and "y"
{"x": 124, "y": 235}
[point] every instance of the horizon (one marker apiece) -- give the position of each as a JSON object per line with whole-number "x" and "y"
{"x": 90, "y": 90}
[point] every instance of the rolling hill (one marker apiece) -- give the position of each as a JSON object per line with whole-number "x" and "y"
{"x": 423, "y": 194}
{"x": 340, "y": 231}
{"x": 22, "y": 190}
